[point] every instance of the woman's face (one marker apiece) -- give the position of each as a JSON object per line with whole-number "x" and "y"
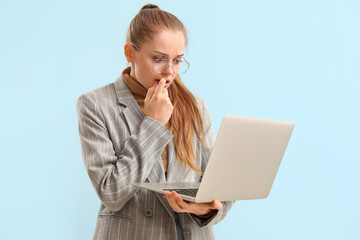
{"x": 166, "y": 44}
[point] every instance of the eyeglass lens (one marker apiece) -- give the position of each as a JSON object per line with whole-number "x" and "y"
{"x": 181, "y": 67}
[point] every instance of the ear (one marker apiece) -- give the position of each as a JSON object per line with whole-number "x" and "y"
{"x": 129, "y": 52}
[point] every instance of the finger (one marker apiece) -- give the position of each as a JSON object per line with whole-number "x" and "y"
{"x": 170, "y": 197}
{"x": 166, "y": 92}
{"x": 150, "y": 92}
{"x": 182, "y": 204}
{"x": 216, "y": 204}
{"x": 160, "y": 87}
{"x": 177, "y": 200}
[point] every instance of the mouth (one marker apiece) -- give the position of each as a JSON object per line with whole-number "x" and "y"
{"x": 166, "y": 83}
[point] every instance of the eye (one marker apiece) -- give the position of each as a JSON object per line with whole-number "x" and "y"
{"x": 178, "y": 61}
{"x": 160, "y": 60}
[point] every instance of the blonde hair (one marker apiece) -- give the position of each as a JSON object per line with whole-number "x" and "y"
{"x": 186, "y": 118}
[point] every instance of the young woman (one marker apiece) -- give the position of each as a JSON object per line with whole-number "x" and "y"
{"x": 147, "y": 127}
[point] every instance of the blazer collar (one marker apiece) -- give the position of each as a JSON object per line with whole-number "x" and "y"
{"x": 123, "y": 93}
{"x": 131, "y": 110}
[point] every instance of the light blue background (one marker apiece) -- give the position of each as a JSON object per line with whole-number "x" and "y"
{"x": 287, "y": 60}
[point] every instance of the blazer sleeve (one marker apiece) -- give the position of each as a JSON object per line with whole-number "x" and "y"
{"x": 111, "y": 175}
{"x": 209, "y": 138}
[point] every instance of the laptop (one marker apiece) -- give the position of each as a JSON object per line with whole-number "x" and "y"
{"x": 243, "y": 162}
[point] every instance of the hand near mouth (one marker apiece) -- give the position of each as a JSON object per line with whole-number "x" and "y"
{"x": 167, "y": 82}
{"x": 157, "y": 104}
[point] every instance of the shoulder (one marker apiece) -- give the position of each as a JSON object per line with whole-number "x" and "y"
{"x": 200, "y": 102}
{"x": 104, "y": 96}
{"x": 91, "y": 104}
{"x": 203, "y": 108}
{"x": 101, "y": 94}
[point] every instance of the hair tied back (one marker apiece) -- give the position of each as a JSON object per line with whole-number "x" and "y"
{"x": 149, "y": 7}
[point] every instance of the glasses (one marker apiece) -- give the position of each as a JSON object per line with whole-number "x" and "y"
{"x": 159, "y": 65}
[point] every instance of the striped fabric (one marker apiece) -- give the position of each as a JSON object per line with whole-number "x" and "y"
{"x": 120, "y": 146}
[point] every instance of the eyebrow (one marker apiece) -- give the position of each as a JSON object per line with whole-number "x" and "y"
{"x": 168, "y": 54}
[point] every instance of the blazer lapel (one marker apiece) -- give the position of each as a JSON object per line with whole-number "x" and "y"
{"x": 134, "y": 117}
{"x": 131, "y": 110}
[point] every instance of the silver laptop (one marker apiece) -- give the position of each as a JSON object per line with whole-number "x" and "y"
{"x": 243, "y": 162}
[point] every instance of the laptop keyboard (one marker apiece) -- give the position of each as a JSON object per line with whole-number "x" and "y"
{"x": 188, "y": 192}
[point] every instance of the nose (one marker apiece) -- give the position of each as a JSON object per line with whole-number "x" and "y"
{"x": 168, "y": 69}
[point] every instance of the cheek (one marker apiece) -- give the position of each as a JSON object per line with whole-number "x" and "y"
{"x": 144, "y": 74}
{"x": 146, "y": 79}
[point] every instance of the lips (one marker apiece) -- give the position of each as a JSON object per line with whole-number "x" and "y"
{"x": 167, "y": 81}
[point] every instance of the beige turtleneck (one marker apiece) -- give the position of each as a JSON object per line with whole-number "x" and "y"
{"x": 139, "y": 92}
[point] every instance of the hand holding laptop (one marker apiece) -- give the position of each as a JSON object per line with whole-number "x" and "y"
{"x": 179, "y": 205}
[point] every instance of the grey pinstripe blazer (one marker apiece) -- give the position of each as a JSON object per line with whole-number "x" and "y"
{"x": 120, "y": 146}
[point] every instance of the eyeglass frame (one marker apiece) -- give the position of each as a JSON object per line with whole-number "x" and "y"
{"x": 168, "y": 61}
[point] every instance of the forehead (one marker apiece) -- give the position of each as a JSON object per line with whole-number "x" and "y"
{"x": 166, "y": 41}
